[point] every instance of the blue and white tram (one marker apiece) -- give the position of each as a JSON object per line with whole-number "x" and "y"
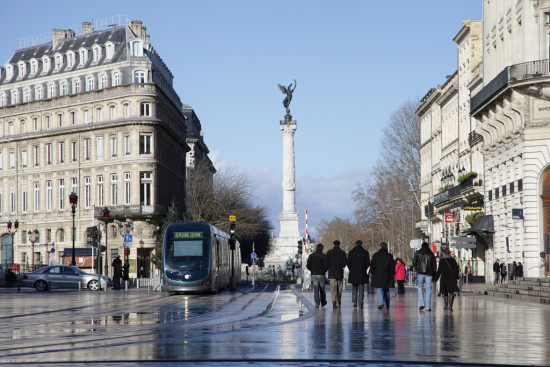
{"x": 197, "y": 258}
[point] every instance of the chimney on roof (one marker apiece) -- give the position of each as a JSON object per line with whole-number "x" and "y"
{"x": 59, "y": 35}
{"x": 87, "y": 27}
{"x": 135, "y": 25}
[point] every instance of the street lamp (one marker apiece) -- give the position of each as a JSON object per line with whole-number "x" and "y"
{"x": 106, "y": 217}
{"x": 12, "y": 234}
{"x": 73, "y": 199}
{"x": 33, "y": 237}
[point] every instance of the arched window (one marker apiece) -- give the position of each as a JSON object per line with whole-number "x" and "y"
{"x": 34, "y": 67}
{"x": 27, "y": 95}
{"x": 116, "y": 79}
{"x": 3, "y": 99}
{"x": 103, "y": 81}
{"x": 63, "y": 90}
{"x": 137, "y": 48}
{"x": 58, "y": 61}
{"x": 45, "y": 64}
{"x": 9, "y": 72}
{"x": 51, "y": 91}
{"x": 22, "y": 69}
{"x": 83, "y": 53}
{"x": 70, "y": 59}
{"x": 110, "y": 50}
{"x": 139, "y": 76}
{"x": 39, "y": 93}
{"x": 14, "y": 97}
{"x": 76, "y": 86}
{"x": 60, "y": 235}
{"x": 90, "y": 84}
{"x": 96, "y": 53}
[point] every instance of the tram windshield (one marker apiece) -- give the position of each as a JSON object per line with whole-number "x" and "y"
{"x": 187, "y": 250}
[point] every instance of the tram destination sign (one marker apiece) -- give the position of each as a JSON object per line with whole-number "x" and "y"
{"x": 187, "y": 234}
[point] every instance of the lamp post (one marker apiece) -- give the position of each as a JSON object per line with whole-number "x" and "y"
{"x": 33, "y": 237}
{"x": 73, "y": 199}
{"x": 15, "y": 226}
{"x": 106, "y": 217}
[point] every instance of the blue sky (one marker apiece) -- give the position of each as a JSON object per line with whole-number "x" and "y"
{"x": 355, "y": 63}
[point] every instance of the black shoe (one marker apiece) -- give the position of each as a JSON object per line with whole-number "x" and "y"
{"x": 421, "y": 307}
{"x": 355, "y": 304}
{"x": 429, "y": 309}
{"x": 334, "y": 306}
{"x": 380, "y": 307}
{"x": 316, "y": 305}
{"x": 362, "y": 306}
{"x": 446, "y": 299}
{"x": 323, "y": 304}
{"x": 387, "y": 307}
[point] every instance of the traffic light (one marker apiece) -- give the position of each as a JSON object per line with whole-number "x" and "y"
{"x": 126, "y": 251}
{"x": 92, "y": 238}
{"x": 300, "y": 246}
{"x": 232, "y": 235}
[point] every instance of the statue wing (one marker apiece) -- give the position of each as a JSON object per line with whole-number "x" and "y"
{"x": 283, "y": 89}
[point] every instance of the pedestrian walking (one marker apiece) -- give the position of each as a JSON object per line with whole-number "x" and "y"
{"x": 425, "y": 264}
{"x": 496, "y": 271}
{"x": 117, "y": 271}
{"x": 382, "y": 270}
{"x": 519, "y": 270}
{"x": 358, "y": 263}
{"x": 336, "y": 262}
{"x": 126, "y": 270}
{"x": 459, "y": 263}
{"x": 514, "y": 270}
{"x": 468, "y": 271}
{"x": 503, "y": 273}
{"x": 400, "y": 273}
{"x": 437, "y": 267}
{"x": 317, "y": 264}
{"x": 449, "y": 273}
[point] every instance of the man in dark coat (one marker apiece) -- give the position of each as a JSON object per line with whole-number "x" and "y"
{"x": 496, "y": 271}
{"x": 358, "y": 263}
{"x": 336, "y": 261}
{"x": 382, "y": 270}
{"x": 425, "y": 265}
{"x": 117, "y": 272}
{"x": 317, "y": 264}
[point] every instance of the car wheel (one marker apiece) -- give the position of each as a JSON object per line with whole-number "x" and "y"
{"x": 41, "y": 285}
{"x": 93, "y": 285}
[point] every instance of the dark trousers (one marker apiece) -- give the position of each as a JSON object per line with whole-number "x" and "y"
{"x": 358, "y": 293}
{"x": 116, "y": 278}
{"x": 319, "y": 294}
{"x": 401, "y": 287}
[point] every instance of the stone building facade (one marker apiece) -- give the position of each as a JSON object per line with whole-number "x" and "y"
{"x": 94, "y": 114}
{"x": 450, "y": 150}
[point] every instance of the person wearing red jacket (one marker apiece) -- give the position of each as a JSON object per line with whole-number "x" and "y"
{"x": 400, "y": 271}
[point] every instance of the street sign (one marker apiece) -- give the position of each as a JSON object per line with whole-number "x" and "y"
{"x": 253, "y": 255}
{"x": 232, "y": 218}
{"x": 416, "y": 244}
{"x": 52, "y": 250}
{"x": 128, "y": 237}
{"x": 463, "y": 242}
{"x": 449, "y": 217}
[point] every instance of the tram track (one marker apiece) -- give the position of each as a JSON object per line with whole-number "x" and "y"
{"x": 100, "y": 340}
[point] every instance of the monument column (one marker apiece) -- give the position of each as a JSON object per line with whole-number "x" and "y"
{"x": 288, "y": 217}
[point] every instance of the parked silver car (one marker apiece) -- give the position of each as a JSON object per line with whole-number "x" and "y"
{"x": 63, "y": 276}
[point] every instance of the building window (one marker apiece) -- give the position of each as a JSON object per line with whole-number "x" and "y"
{"x": 36, "y": 196}
{"x": 24, "y": 200}
{"x": 1, "y": 164}
{"x": 48, "y": 196}
{"x": 64, "y": 89}
{"x": 51, "y": 91}
{"x": 87, "y": 192}
{"x": 113, "y": 146}
{"x": 87, "y": 149}
{"x": 58, "y": 62}
{"x": 39, "y": 93}
{"x": 45, "y": 64}
{"x": 48, "y": 123}
{"x": 60, "y": 120}
{"x": 145, "y": 188}
{"x": 137, "y": 48}
{"x": 23, "y": 159}
{"x": 76, "y": 86}
{"x": 100, "y": 147}
{"x": 74, "y": 185}
{"x": 34, "y": 67}
{"x": 496, "y": 193}
{"x": 145, "y": 144}
{"x": 99, "y": 114}
{"x": 90, "y": 84}
{"x": 48, "y": 235}
{"x": 83, "y": 56}
{"x": 23, "y": 127}
{"x": 127, "y": 188}
{"x": 100, "y": 190}
{"x": 36, "y": 155}
{"x": 61, "y": 152}
{"x": 73, "y": 118}
{"x": 503, "y": 190}
{"x": 10, "y": 128}
{"x": 139, "y": 76}
{"x": 145, "y": 109}
{"x": 490, "y": 195}
{"x": 103, "y": 81}
{"x": 96, "y": 54}
{"x": 27, "y": 95}
{"x": 86, "y": 116}
{"x": 35, "y": 124}
{"x": 70, "y": 59}
{"x": 61, "y": 194}
{"x": 49, "y": 153}
{"x": 520, "y": 184}
{"x": 2, "y": 99}
{"x": 74, "y": 151}
{"x": 116, "y": 79}
{"x": 112, "y": 112}
{"x": 14, "y": 97}
{"x": 126, "y": 110}
{"x": 12, "y": 160}
{"x": 13, "y": 202}
{"x": 126, "y": 144}
{"x": 110, "y": 50}
{"x": 114, "y": 192}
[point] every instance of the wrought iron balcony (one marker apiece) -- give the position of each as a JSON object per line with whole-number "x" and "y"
{"x": 455, "y": 191}
{"x": 473, "y": 138}
{"x": 513, "y": 73}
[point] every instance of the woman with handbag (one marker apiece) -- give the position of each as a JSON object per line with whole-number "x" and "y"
{"x": 449, "y": 273}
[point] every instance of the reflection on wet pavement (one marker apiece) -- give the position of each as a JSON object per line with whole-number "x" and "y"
{"x": 266, "y": 323}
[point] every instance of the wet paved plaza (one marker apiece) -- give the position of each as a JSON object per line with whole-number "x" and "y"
{"x": 265, "y": 325}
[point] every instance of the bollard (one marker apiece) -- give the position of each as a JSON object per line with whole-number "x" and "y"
{"x": 126, "y": 285}
{"x": 79, "y": 286}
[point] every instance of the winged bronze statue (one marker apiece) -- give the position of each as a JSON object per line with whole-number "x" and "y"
{"x": 288, "y": 91}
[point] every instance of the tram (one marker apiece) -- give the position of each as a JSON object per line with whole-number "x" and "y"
{"x": 197, "y": 258}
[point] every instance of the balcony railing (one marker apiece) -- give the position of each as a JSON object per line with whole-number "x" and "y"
{"x": 131, "y": 210}
{"x": 473, "y": 138}
{"x": 456, "y": 190}
{"x": 526, "y": 70}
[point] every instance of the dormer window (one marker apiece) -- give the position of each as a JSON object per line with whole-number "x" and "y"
{"x": 34, "y": 67}
{"x": 45, "y": 64}
{"x": 110, "y": 51}
{"x": 137, "y": 48}
{"x": 9, "y": 72}
{"x": 58, "y": 62}
{"x": 70, "y": 59}
{"x": 83, "y": 54}
{"x": 22, "y": 69}
{"x": 96, "y": 53}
